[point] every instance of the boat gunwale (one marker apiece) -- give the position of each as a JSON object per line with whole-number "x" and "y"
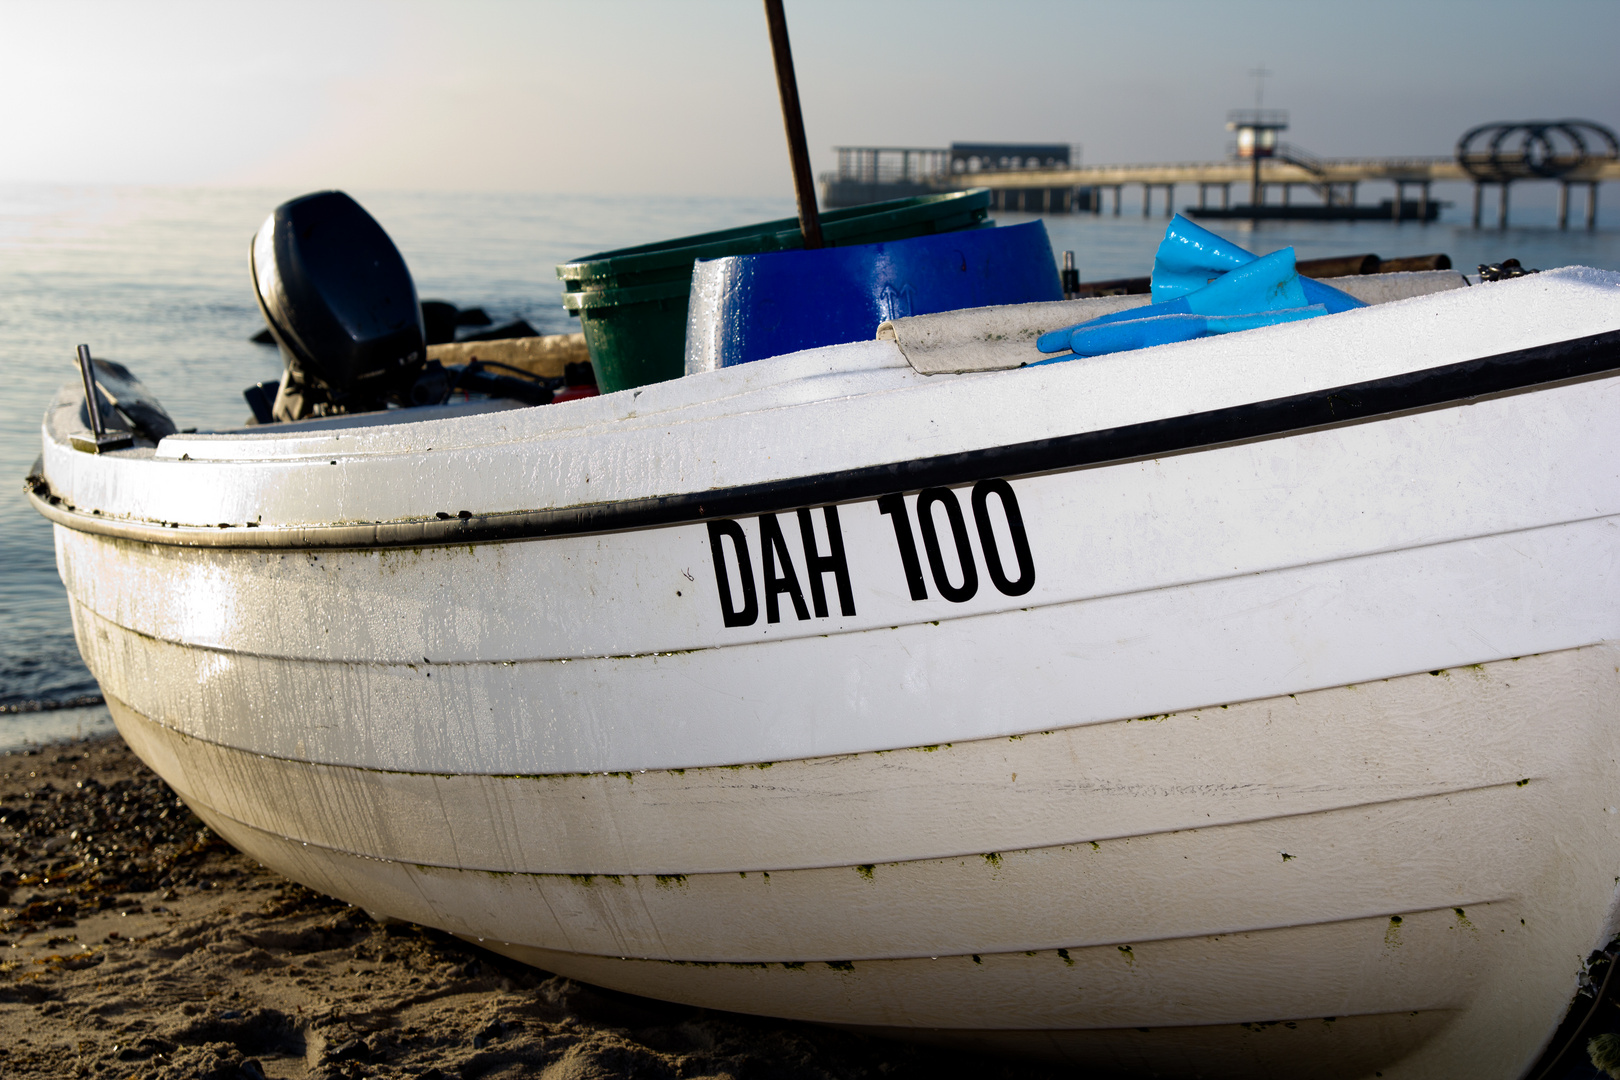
{"x": 1452, "y": 385}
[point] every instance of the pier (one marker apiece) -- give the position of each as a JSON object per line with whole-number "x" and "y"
{"x": 1024, "y": 177}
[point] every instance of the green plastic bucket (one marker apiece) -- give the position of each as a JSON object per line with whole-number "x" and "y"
{"x": 632, "y": 302}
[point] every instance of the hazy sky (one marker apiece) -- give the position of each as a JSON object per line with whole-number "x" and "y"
{"x": 678, "y": 96}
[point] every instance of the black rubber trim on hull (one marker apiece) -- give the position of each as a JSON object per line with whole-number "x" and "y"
{"x": 1452, "y": 384}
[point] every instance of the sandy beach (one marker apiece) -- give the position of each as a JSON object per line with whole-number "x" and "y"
{"x": 135, "y": 943}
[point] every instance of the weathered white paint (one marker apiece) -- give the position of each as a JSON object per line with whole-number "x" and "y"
{"x": 1493, "y": 467}
{"x": 1137, "y": 654}
{"x": 1003, "y": 337}
{"x": 1392, "y": 741}
{"x": 1199, "y": 870}
{"x": 813, "y": 412}
{"x": 426, "y": 732}
{"x": 1359, "y": 566}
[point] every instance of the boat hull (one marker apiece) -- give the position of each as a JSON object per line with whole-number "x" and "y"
{"x": 1420, "y": 541}
{"x": 1390, "y": 867}
{"x": 1259, "y": 692}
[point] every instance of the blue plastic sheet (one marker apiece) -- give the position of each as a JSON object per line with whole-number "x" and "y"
{"x": 1203, "y": 284}
{"x": 1270, "y": 283}
{"x": 1190, "y": 256}
{"x": 1089, "y": 340}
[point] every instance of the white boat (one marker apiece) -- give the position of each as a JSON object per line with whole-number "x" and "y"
{"x": 1241, "y": 707}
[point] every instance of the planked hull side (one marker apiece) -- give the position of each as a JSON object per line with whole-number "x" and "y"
{"x": 1261, "y": 692}
{"x": 1417, "y": 542}
{"x": 1363, "y": 853}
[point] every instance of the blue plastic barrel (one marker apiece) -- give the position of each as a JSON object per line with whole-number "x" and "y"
{"x": 749, "y": 307}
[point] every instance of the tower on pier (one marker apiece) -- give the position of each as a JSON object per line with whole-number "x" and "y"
{"x": 1256, "y": 139}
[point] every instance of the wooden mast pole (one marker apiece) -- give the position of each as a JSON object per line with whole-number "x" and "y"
{"x": 804, "y": 187}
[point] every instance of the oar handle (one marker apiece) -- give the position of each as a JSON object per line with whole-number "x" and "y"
{"x": 804, "y": 185}
{"x": 91, "y": 398}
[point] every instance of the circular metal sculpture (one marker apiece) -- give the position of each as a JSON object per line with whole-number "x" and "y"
{"x": 1534, "y": 149}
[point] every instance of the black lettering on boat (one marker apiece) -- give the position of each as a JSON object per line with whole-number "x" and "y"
{"x": 834, "y": 562}
{"x": 895, "y": 507}
{"x": 773, "y": 546}
{"x": 826, "y": 555}
{"x": 1015, "y": 529}
{"x": 956, "y": 594}
{"x": 733, "y": 615}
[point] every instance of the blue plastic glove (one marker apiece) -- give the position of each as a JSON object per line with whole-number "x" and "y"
{"x": 1142, "y": 333}
{"x": 1265, "y": 284}
{"x": 1233, "y": 324}
{"x": 1190, "y": 255}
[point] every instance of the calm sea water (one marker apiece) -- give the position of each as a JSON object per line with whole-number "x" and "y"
{"x": 157, "y": 278}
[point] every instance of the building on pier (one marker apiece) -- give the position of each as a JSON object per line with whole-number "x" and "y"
{"x": 869, "y": 174}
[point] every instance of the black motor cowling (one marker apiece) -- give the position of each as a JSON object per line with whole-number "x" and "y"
{"x": 340, "y": 302}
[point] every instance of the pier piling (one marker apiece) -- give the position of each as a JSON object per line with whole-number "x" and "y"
{"x": 1565, "y": 151}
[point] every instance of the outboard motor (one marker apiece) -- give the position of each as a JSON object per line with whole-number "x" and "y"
{"x": 341, "y": 304}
